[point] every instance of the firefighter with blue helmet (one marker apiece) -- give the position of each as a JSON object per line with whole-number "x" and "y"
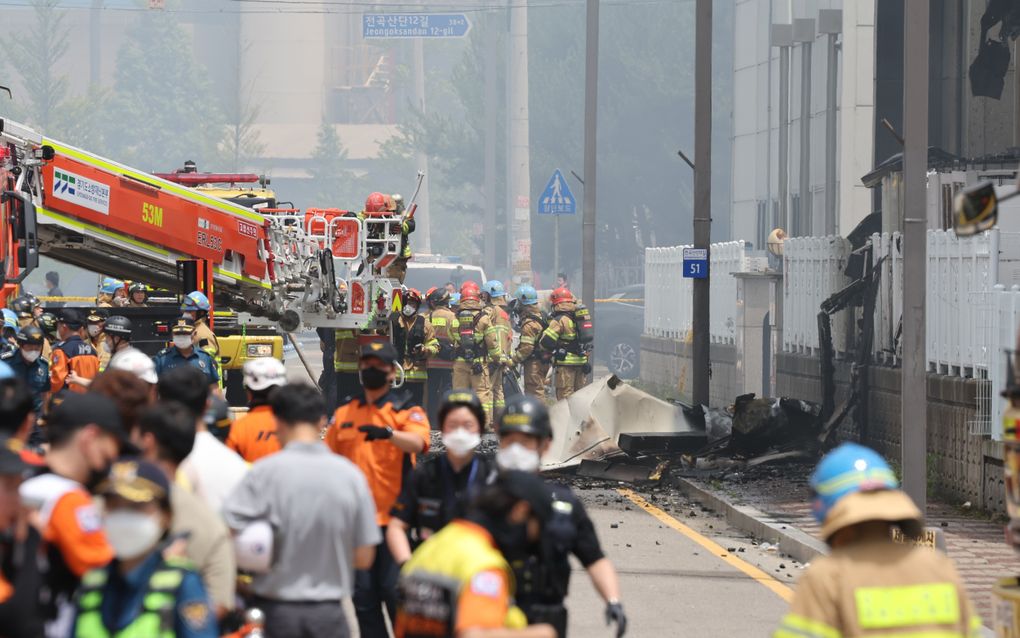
{"x": 870, "y": 584}
{"x": 111, "y": 293}
{"x": 531, "y": 323}
{"x": 196, "y": 306}
{"x": 494, "y": 297}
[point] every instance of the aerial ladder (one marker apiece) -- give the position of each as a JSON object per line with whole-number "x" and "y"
{"x": 317, "y": 268}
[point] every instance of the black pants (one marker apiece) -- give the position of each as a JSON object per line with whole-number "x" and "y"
{"x": 440, "y": 380}
{"x": 347, "y": 385}
{"x": 554, "y": 614}
{"x": 373, "y": 588}
{"x": 327, "y": 380}
{"x": 417, "y": 391}
{"x": 292, "y": 619}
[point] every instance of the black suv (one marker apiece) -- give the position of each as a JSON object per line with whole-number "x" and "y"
{"x": 619, "y": 321}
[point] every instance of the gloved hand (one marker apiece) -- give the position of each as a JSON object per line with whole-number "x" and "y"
{"x": 476, "y": 368}
{"x": 614, "y": 613}
{"x": 376, "y": 432}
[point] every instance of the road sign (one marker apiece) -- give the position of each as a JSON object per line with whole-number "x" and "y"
{"x": 695, "y": 263}
{"x": 414, "y": 25}
{"x": 557, "y": 199}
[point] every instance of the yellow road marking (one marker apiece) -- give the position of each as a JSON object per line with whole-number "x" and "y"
{"x": 776, "y": 587}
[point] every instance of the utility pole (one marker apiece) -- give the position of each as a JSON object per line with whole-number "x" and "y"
{"x": 702, "y": 196}
{"x": 519, "y": 225}
{"x": 804, "y": 32}
{"x": 423, "y": 216}
{"x": 830, "y": 22}
{"x": 591, "y": 117}
{"x": 489, "y": 231}
{"x": 914, "y": 386}
{"x": 782, "y": 37}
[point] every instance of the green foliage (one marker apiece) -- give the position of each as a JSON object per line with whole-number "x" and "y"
{"x": 334, "y": 183}
{"x": 35, "y": 56}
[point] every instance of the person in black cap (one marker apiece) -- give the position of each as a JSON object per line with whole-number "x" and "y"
{"x": 85, "y": 436}
{"x": 442, "y": 485}
{"x": 21, "y": 569}
{"x": 380, "y": 432}
{"x": 71, "y": 354}
{"x": 142, "y": 592}
{"x": 29, "y": 365}
{"x": 184, "y": 353}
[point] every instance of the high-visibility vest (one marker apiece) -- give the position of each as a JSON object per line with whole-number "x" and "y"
{"x": 158, "y": 605}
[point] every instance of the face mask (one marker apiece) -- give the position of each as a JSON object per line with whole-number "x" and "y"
{"x": 517, "y": 457}
{"x": 461, "y": 442}
{"x": 182, "y": 342}
{"x": 189, "y": 315}
{"x": 94, "y": 330}
{"x": 373, "y": 378}
{"x": 131, "y": 534}
{"x": 31, "y": 355}
{"x": 409, "y": 311}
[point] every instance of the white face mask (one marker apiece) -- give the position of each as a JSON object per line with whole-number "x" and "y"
{"x": 517, "y": 457}
{"x": 182, "y": 342}
{"x": 31, "y": 355}
{"x": 409, "y": 310}
{"x": 461, "y": 442}
{"x": 131, "y": 534}
{"x": 94, "y": 329}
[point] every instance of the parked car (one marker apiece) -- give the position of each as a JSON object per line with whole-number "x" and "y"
{"x": 619, "y": 322}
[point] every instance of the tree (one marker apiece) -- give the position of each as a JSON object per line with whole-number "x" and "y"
{"x": 334, "y": 183}
{"x": 36, "y": 56}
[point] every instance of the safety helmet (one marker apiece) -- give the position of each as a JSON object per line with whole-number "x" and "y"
{"x": 375, "y": 203}
{"x": 412, "y": 296}
{"x": 263, "y": 373}
{"x": 469, "y": 291}
{"x": 527, "y": 415}
{"x": 31, "y": 336}
{"x": 848, "y": 469}
{"x": 119, "y": 326}
{"x": 527, "y": 295}
{"x": 438, "y": 297}
{"x": 97, "y": 315}
{"x": 22, "y": 306}
{"x": 454, "y": 298}
{"x": 196, "y": 302}
{"x": 48, "y": 322}
{"x": 561, "y": 295}
{"x": 138, "y": 287}
{"x": 10, "y": 319}
{"x": 111, "y": 285}
{"x": 494, "y": 288}
{"x": 454, "y": 399}
{"x": 137, "y": 363}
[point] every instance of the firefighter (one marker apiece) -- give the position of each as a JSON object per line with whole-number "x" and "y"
{"x": 30, "y": 313}
{"x": 531, "y": 324}
{"x": 95, "y": 326}
{"x": 196, "y": 306}
{"x": 118, "y": 331}
{"x": 440, "y": 367}
{"x": 184, "y": 352}
{"x": 345, "y": 363}
{"x": 111, "y": 293}
{"x": 455, "y": 302}
{"x": 254, "y": 436}
{"x": 458, "y": 582}
{"x": 415, "y": 340}
{"x": 560, "y": 339}
{"x": 542, "y": 572}
{"x": 1006, "y": 593}
{"x": 478, "y": 346}
{"x": 48, "y": 323}
{"x": 73, "y": 357}
{"x": 138, "y": 295}
{"x": 22, "y": 307}
{"x": 494, "y": 297}
{"x": 869, "y": 584}
{"x": 9, "y": 332}
{"x": 29, "y": 365}
{"x": 398, "y": 269}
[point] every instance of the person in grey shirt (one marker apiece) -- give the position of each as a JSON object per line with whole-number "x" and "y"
{"x": 322, "y": 516}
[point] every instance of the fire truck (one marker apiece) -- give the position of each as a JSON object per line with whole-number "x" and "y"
{"x": 223, "y": 234}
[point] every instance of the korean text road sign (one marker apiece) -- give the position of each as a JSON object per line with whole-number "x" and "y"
{"x": 557, "y": 199}
{"x": 695, "y": 263}
{"x": 414, "y": 25}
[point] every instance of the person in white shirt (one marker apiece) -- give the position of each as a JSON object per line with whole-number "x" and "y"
{"x": 212, "y": 470}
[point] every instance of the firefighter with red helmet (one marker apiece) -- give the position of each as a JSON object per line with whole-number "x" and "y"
{"x": 415, "y": 341}
{"x": 561, "y": 339}
{"x": 479, "y": 345}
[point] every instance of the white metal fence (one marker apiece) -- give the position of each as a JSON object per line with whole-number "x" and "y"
{"x": 668, "y": 303}
{"x": 812, "y": 271}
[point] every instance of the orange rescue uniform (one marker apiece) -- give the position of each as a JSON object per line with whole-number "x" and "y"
{"x": 384, "y": 464}
{"x": 72, "y": 354}
{"x": 254, "y": 435}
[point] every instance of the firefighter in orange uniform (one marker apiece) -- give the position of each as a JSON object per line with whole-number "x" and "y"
{"x": 253, "y": 436}
{"x": 380, "y": 433}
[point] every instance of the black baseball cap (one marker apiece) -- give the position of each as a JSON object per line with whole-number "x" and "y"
{"x": 137, "y": 481}
{"x": 78, "y": 410}
{"x": 383, "y": 350}
{"x": 71, "y": 318}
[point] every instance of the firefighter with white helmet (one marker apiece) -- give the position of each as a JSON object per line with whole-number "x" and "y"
{"x": 869, "y": 584}
{"x": 253, "y": 436}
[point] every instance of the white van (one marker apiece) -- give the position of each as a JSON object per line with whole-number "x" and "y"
{"x": 427, "y": 271}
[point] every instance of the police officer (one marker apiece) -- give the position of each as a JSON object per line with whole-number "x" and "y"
{"x": 479, "y": 344}
{"x": 183, "y": 352}
{"x": 473, "y": 594}
{"x": 415, "y": 341}
{"x": 494, "y": 297}
{"x": 441, "y": 486}
{"x": 561, "y": 341}
{"x": 95, "y": 326}
{"x": 24, "y": 309}
{"x": 531, "y": 324}
{"x": 141, "y": 592}
{"x": 440, "y": 367}
{"x": 48, "y": 323}
{"x": 118, "y": 334}
{"x": 525, "y": 434}
{"x": 30, "y": 367}
{"x": 869, "y": 584}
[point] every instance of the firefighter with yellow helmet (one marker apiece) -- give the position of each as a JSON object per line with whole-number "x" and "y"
{"x": 869, "y": 584}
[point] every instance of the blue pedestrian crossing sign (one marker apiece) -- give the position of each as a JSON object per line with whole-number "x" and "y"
{"x": 557, "y": 199}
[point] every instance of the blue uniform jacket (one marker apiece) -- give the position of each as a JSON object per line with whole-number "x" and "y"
{"x": 170, "y": 358}
{"x": 36, "y": 375}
